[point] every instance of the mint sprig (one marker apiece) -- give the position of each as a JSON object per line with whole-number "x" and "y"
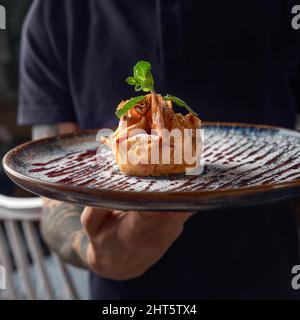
{"x": 142, "y": 80}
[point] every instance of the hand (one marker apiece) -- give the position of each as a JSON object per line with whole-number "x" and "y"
{"x": 123, "y": 245}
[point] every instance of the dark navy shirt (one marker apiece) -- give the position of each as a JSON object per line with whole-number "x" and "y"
{"x": 231, "y": 61}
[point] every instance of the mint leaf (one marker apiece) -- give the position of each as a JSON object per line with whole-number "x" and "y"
{"x": 148, "y": 84}
{"x": 131, "y": 81}
{"x": 180, "y": 103}
{"x": 142, "y": 77}
{"x": 141, "y": 70}
{"x": 128, "y": 105}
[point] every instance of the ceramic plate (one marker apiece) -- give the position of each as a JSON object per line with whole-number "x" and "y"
{"x": 244, "y": 165}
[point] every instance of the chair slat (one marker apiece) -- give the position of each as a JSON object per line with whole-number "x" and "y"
{"x": 20, "y": 257}
{"x": 37, "y": 256}
{"x": 68, "y": 283}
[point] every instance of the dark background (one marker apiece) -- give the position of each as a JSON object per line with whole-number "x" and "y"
{"x": 10, "y": 133}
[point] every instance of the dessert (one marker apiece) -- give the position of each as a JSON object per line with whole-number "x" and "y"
{"x": 151, "y": 139}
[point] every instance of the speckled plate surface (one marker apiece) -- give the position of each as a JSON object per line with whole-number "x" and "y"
{"x": 244, "y": 165}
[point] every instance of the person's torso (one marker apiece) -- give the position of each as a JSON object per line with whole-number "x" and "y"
{"x": 231, "y": 61}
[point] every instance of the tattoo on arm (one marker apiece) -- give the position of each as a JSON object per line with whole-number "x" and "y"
{"x": 60, "y": 223}
{"x": 62, "y": 231}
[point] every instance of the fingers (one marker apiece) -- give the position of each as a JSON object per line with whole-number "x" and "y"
{"x": 92, "y": 220}
{"x": 166, "y": 225}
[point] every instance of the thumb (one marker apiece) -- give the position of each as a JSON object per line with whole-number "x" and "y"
{"x": 92, "y": 220}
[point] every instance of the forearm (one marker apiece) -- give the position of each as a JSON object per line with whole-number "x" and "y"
{"x": 62, "y": 231}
